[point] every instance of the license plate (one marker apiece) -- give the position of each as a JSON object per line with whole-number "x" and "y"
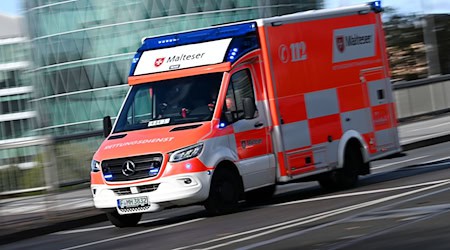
{"x": 133, "y": 202}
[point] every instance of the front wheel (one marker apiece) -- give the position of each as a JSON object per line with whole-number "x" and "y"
{"x": 127, "y": 220}
{"x": 224, "y": 192}
{"x": 261, "y": 194}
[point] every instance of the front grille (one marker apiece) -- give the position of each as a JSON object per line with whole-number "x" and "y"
{"x": 132, "y": 168}
{"x": 148, "y": 188}
{"x": 122, "y": 191}
{"x": 140, "y": 189}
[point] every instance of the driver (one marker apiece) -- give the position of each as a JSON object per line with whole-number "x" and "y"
{"x": 174, "y": 103}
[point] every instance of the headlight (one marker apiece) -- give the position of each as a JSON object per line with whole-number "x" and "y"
{"x": 95, "y": 166}
{"x": 186, "y": 153}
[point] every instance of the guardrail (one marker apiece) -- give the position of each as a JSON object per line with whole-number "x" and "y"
{"x": 60, "y": 162}
{"x": 423, "y": 97}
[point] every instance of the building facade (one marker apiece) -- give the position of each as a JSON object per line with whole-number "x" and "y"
{"x": 82, "y": 49}
{"x": 16, "y": 112}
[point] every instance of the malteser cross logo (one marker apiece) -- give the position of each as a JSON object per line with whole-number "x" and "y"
{"x": 159, "y": 61}
{"x": 340, "y": 43}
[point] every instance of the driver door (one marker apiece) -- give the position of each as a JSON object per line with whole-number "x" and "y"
{"x": 251, "y": 136}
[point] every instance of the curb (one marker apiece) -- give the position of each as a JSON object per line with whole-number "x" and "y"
{"x": 52, "y": 228}
{"x": 425, "y": 143}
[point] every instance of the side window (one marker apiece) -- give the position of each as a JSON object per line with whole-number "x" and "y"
{"x": 141, "y": 109}
{"x": 240, "y": 87}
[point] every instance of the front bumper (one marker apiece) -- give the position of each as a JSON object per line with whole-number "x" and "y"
{"x": 176, "y": 190}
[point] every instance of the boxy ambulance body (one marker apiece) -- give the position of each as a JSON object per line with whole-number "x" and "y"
{"x": 224, "y": 113}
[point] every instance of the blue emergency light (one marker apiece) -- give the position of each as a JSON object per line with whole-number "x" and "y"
{"x": 239, "y": 45}
{"x": 197, "y": 36}
{"x": 376, "y": 6}
{"x": 108, "y": 177}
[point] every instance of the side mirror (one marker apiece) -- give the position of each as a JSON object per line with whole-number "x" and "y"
{"x": 249, "y": 108}
{"x": 229, "y": 117}
{"x": 107, "y": 126}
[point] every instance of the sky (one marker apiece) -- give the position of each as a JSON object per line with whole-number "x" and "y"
{"x": 12, "y": 7}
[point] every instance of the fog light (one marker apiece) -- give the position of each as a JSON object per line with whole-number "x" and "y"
{"x": 187, "y": 181}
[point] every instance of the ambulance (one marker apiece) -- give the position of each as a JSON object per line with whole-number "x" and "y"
{"x": 223, "y": 114}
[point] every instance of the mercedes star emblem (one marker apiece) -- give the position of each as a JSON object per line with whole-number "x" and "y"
{"x": 128, "y": 168}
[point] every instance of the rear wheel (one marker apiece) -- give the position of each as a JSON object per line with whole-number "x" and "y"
{"x": 346, "y": 177}
{"x": 224, "y": 192}
{"x": 127, "y": 220}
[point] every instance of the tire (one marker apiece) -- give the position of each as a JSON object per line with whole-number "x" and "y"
{"x": 224, "y": 192}
{"x": 261, "y": 194}
{"x": 346, "y": 177}
{"x": 127, "y": 220}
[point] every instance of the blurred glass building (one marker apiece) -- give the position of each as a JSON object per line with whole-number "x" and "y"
{"x": 16, "y": 114}
{"x": 82, "y": 49}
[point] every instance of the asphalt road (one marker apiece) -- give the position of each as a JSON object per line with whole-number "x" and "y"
{"x": 403, "y": 204}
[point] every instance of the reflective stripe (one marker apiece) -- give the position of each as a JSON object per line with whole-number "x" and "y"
{"x": 326, "y": 154}
{"x": 359, "y": 120}
{"x": 246, "y": 125}
{"x": 295, "y": 135}
{"x": 325, "y": 128}
{"x": 321, "y": 103}
{"x": 385, "y": 137}
{"x": 217, "y": 149}
{"x": 257, "y": 171}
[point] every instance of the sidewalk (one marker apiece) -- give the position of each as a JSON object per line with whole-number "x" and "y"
{"x": 424, "y": 133}
{"x": 27, "y": 217}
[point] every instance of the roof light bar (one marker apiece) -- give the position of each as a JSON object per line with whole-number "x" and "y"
{"x": 197, "y": 36}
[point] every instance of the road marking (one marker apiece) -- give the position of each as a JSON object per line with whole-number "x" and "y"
{"x": 398, "y": 162}
{"x": 361, "y": 193}
{"x": 436, "y": 160}
{"x": 388, "y": 230}
{"x": 99, "y": 228}
{"x": 336, "y": 212}
{"x": 133, "y": 234}
{"x": 300, "y": 220}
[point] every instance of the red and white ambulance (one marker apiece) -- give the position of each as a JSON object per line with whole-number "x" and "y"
{"x": 222, "y": 114}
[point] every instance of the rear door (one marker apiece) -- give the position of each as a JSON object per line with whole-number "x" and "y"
{"x": 382, "y": 109}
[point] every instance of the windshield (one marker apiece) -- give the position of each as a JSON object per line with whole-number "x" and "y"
{"x": 169, "y": 102}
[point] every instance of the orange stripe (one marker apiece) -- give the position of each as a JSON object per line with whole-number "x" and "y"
{"x": 97, "y": 178}
{"x": 322, "y": 127}
{"x": 223, "y": 67}
{"x": 189, "y": 166}
{"x": 281, "y": 164}
{"x": 351, "y": 97}
{"x": 367, "y": 138}
{"x": 298, "y": 161}
{"x": 251, "y": 143}
{"x": 292, "y": 108}
{"x": 381, "y": 116}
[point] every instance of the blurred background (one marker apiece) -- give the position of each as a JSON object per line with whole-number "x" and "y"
{"x": 64, "y": 66}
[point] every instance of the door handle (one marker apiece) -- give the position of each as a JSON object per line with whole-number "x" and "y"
{"x": 258, "y": 124}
